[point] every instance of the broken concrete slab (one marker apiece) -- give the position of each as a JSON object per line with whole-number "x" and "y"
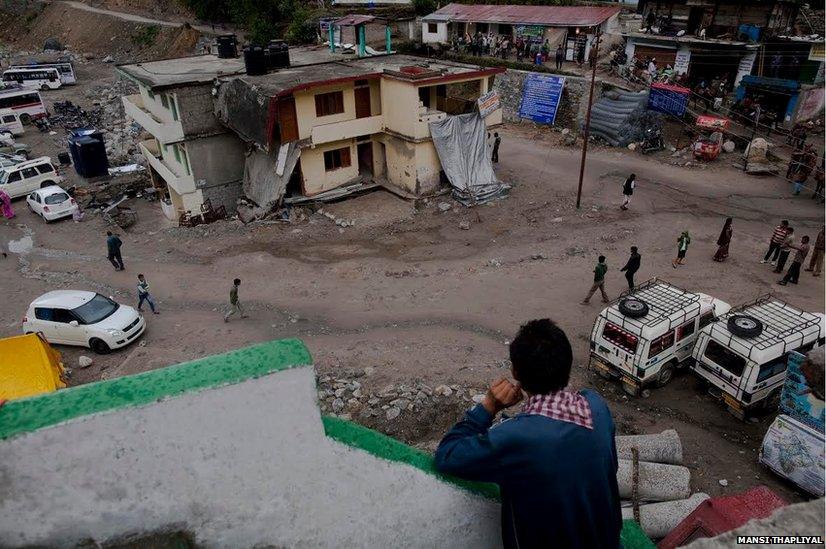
{"x": 662, "y": 447}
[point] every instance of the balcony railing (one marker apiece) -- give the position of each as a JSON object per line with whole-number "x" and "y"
{"x": 151, "y": 151}
{"x": 347, "y": 129}
{"x": 164, "y": 132}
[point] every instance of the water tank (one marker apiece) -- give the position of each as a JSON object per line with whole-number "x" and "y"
{"x": 227, "y": 46}
{"x": 279, "y": 54}
{"x": 255, "y": 60}
{"x": 88, "y": 152}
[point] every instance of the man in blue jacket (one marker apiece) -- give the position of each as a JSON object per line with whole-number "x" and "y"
{"x": 555, "y": 462}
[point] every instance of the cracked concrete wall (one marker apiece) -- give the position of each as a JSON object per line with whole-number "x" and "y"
{"x": 196, "y": 111}
{"x": 237, "y": 466}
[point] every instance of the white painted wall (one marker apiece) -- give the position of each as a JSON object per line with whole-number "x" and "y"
{"x": 438, "y": 37}
{"x": 237, "y": 466}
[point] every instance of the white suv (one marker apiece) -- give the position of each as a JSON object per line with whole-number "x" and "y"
{"x": 23, "y": 178}
{"x": 87, "y": 319}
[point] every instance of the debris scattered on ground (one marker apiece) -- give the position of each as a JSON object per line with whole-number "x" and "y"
{"x": 84, "y": 361}
{"x": 464, "y": 225}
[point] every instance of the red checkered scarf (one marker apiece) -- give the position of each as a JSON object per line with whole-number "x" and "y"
{"x": 562, "y": 405}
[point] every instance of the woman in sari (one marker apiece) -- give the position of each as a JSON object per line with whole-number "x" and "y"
{"x": 723, "y": 241}
{"x": 5, "y": 205}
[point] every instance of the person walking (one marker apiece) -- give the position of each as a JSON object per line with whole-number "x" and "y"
{"x": 785, "y": 249}
{"x": 723, "y": 241}
{"x": 793, "y": 274}
{"x": 778, "y": 236}
{"x": 628, "y": 190}
{"x": 555, "y": 461}
{"x": 816, "y": 263}
{"x": 682, "y": 247}
{"x": 496, "y": 142}
{"x": 113, "y": 244}
{"x": 631, "y": 267}
{"x": 144, "y": 295}
{"x": 559, "y": 57}
{"x": 234, "y": 303}
{"x": 599, "y": 281}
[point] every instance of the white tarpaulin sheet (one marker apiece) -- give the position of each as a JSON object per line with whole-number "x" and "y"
{"x": 461, "y": 145}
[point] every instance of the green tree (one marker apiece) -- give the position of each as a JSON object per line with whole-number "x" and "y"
{"x": 424, "y": 7}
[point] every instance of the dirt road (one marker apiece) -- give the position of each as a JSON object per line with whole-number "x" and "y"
{"x": 410, "y": 295}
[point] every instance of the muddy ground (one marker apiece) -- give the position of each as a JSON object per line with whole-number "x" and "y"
{"x": 415, "y": 299}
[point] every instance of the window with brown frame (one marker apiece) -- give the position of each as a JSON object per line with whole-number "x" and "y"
{"x": 327, "y": 104}
{"x": 432, "y": 28}
{"x": 337, "y": 158}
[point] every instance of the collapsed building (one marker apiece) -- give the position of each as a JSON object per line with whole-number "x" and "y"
{"x": 323, "y": 122}
{"x": 368, "y": 120}
{"x": 192, "y": 158}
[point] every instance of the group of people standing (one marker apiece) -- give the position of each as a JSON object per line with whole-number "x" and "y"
{"x": 781, "y": 246}
{"x": 630, "y": 269}
{"x": 533, "y": 49}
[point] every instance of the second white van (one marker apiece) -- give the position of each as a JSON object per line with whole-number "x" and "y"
{"x": 23, "y": 178}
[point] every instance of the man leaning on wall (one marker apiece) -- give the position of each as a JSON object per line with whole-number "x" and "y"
{"x": 555, "y": 462}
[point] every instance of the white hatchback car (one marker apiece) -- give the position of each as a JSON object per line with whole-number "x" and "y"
{"x": 87, "y": 319}
{"x": 51, "y": 203}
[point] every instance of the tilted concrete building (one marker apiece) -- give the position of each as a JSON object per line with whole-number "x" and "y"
{"x": 325, "y": 121}
{"x": 342, "y": 121}
{"x": 191, "y": 156}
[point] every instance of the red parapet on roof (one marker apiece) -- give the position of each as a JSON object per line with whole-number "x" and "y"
{"x": 551, "y": 16}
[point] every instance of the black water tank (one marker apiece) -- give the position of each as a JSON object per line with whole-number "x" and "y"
{"x": 279, "y": 54}
{"x": 255, "y": 60}
{"x": 88, "y": 152}
{"x": 227, "y": 46}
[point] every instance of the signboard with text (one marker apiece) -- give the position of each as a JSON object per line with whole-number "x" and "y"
{"x": 488, "y": 103}
{"x": 540, "y": 97}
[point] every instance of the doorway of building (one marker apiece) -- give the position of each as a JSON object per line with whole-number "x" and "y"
{"x": 365, "y": 155}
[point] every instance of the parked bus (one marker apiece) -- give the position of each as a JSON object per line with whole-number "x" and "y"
{"x": 65, "y": 68}
{"x": 26, "y": 103}
{"x": 40, "y": 79}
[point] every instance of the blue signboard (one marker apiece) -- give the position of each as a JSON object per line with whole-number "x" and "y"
{"x": 540, "y": 97}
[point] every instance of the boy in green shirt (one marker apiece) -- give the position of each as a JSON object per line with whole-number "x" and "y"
{"x": 599, "y": 281}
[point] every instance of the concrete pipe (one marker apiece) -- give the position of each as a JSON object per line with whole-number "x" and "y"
{"x": 657, "y": 481}
{"x": 662, "y": 447}
{"x": 658, "y": 519}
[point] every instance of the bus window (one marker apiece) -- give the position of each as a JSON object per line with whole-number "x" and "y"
{"x": 620, "y": 338}
{"x": 661, "y": 344}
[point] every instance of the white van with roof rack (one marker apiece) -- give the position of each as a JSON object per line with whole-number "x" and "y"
{"x": 645, "y": 335}
{"x": 743, "y": 354}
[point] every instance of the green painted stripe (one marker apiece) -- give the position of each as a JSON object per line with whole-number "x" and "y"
{"x": 391, "y": 449}
{"x": 30, "y": 414}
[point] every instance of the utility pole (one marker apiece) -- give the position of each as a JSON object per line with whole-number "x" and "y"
{"x": 587, "y": 131}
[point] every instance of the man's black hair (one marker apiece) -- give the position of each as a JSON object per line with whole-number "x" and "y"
{"x": 784, "y": 222}
{"x": 601, "y": 258}
{"x": 805, "y": 238}
{"x": 633, "y": 249}
{"x": 108, "y": 233}
{"x": 541, "y": 357}
{"x": 237, "y": 281}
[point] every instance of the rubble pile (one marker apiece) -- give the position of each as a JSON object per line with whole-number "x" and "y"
{"x": 348, "y": 399}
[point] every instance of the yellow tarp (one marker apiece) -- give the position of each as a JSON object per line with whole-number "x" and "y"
{"x": 28, "y": 366}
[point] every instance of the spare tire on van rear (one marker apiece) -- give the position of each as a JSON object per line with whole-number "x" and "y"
{"x": 744, "y": 326}
{"x": 633, "y": 307}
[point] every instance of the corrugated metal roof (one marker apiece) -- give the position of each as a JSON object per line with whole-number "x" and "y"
{"x": 354, "y": 19}
{"x": 551, "y": 16}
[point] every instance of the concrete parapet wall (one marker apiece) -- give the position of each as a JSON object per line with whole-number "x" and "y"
{"x": 230, "y": 449}
{"x": 236, "y": 465}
